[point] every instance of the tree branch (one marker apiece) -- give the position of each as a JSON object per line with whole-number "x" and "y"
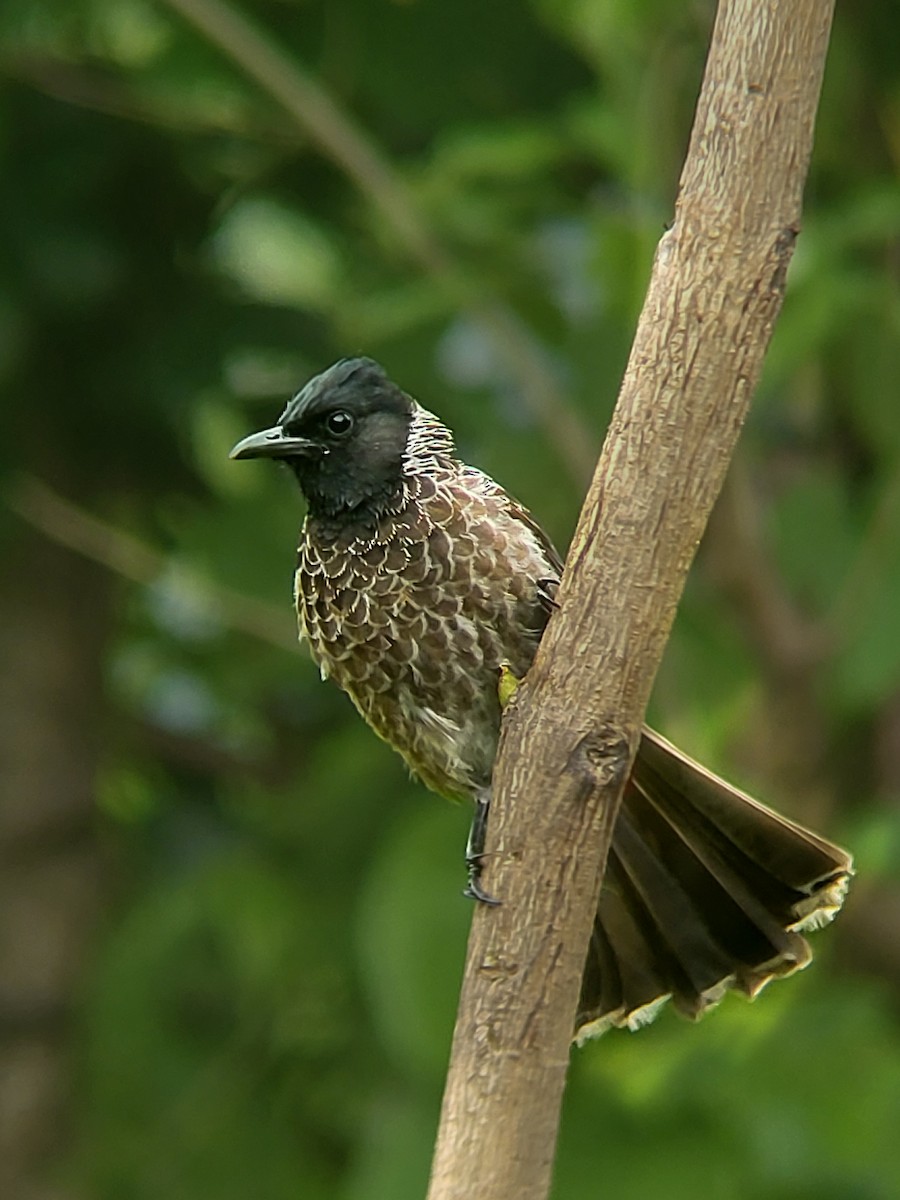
{"x": 94, "y": 89}
{"x": 342, "y": 140}
{"x": 121, "y": 552}
{"x": 715, "y": 290}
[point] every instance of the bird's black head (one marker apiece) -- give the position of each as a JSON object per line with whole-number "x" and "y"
{"x": 343, "y": 436}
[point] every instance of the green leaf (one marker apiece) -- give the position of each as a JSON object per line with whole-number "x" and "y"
{"x": 277, "y": 254}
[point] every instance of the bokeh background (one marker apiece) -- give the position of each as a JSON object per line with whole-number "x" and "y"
{"x": 231, "y": 929}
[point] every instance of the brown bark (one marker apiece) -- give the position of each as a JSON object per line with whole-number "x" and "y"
{"x": 715, "y": 291}
{"x": 332, "y": 128}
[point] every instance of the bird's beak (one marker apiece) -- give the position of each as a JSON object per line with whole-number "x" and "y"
{"x": 271, "y": 443}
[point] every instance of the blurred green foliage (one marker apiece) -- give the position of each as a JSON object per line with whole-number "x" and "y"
{"x": 268, "y": 1008}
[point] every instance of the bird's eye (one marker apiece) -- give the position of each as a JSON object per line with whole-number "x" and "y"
{"x": 339, "y": 423}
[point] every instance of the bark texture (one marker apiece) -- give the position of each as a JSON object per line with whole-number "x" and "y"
{"x": 716, "y": 289}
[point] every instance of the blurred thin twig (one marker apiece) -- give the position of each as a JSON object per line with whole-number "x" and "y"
{"x": 342, "y": 140}
{"x": 126, "y": 555}
{"x": 786, "y": 640}
{"x": 863, "y": 574}
{"x": 87, "y": 87}
{"x": 789, "y": 646}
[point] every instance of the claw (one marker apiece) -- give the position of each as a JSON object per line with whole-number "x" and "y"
{"x": 474, "y": 891}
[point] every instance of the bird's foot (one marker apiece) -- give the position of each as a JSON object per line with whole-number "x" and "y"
{"x": 507, "y": 685}
{"x": 473, "y": 889}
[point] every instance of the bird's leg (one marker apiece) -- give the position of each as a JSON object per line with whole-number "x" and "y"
{"x": 507, "y": 683}
{"x": 475, "y": 848}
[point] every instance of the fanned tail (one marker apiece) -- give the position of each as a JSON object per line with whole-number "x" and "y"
{"x": 705, "y": 889}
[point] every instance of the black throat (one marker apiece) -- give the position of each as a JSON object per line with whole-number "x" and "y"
{"x": 339, "y": 502}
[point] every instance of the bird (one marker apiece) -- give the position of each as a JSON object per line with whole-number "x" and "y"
{"x": 419, "y": 585}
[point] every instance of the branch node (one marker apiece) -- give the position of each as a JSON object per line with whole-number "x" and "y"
{"x": 602, "y": 758}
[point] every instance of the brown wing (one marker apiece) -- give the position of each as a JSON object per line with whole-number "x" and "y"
{"x": 522, "y": 514}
